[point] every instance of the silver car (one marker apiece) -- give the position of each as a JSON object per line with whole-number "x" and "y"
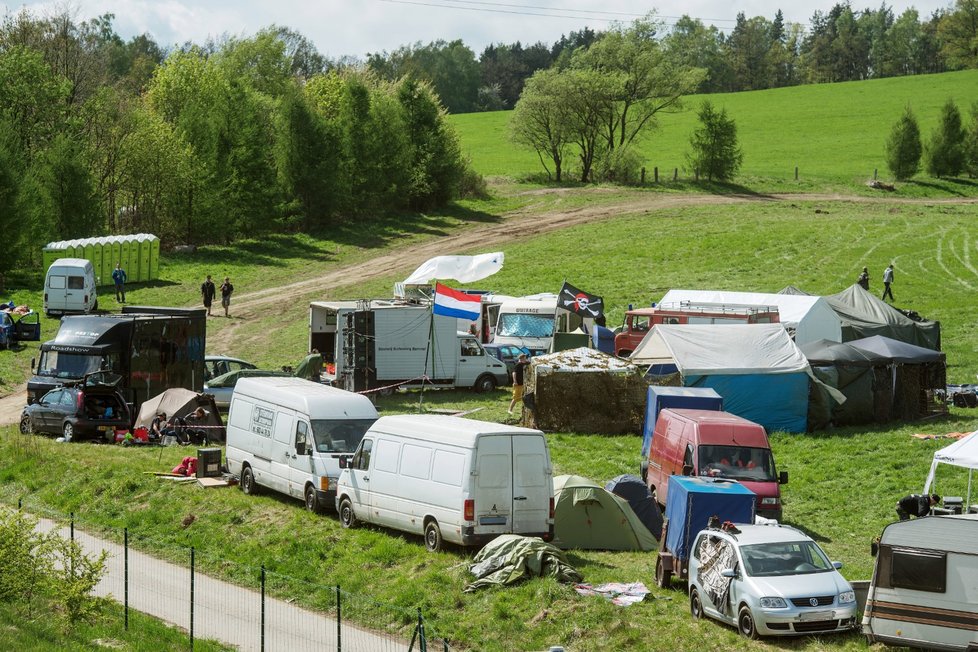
{"x": 768, "y": 580}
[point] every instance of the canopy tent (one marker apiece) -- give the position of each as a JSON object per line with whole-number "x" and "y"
{"x": 963, "y": 453}
{"x": 907, "y": 379}
{"x": 885, "y": 348}
{"x": 589, "y": 517}
{"x": 849, "y": 370}
{"x": 633, "y": 489}
{"x": 863, "y": 315}
{"x": 809, "y": 317}
{"x": 760, "y": 373}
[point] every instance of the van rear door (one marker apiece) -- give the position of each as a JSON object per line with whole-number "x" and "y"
{"x": 513, "y": 494}
{"x": 76, "y": 294}
{"x": 532, "y": 485}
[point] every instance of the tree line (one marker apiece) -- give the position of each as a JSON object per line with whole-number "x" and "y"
{"x": 204, "y": 143}
{"x": 842, "y": 44}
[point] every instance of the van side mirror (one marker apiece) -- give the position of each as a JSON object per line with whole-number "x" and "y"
{"x": 688, "y": 469}
{"x": 33, "y": 363}
{"x": 783, "y": 477}
{"x": 344, "y": 462}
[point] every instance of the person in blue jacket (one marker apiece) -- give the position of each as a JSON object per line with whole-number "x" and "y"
{"x": 119, "y": 278}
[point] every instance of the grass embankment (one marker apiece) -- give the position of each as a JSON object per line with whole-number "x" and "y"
{"x": 834, "y": 133}
{"x": 843, "y": 483}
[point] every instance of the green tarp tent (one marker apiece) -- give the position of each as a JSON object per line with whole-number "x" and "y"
{"x": 589, "y": 517}
{"x": 863, "y": 315}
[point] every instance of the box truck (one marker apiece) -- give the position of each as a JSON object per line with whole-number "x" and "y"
{"x": 152, "y": 349}
{"x": 449, "y": 479}
{"x": 388, "y": 344}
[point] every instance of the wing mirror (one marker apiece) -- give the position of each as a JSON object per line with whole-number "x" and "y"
{"x": 688, "y": 469}
{"x": 783, "y": 477}
{"x": 344, "y": 462}
{"x": 728, "y": 572}
{"x": 837, "y": 565}
{"x": 33, "y": 363}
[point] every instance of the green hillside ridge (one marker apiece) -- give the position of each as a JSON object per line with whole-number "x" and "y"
{"x": 832, "y": 132}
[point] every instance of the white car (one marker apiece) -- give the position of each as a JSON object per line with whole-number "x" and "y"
{"x": 768, "y": 580}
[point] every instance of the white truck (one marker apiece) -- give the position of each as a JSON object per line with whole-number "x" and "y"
{"x": 385, "y": 344}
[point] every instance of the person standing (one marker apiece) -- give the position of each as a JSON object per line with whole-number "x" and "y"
{"x": 226, "y": 290}
{"x": 863, "y": 279}
{"x": 519, "y": 372}
{"x": 916, "y": 505}
{"x": 887, "y": 279}
{"x": 207, "y": 292}
{"x": 119, "y": 278}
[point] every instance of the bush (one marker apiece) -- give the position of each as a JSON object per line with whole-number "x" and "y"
{"x": 903, "y": 148}
{"x": 622, "y": 166}
{"x": 716, "y": 154}
{"x": 945, "y": 153}
{"x": 971, "y": 144}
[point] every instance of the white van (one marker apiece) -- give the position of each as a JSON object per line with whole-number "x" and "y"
{"x": 449, "y": 479}
{"x": 69, "y": 286}
{"x": 292, "y": 435}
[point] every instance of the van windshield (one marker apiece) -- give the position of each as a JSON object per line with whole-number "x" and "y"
{"x": 737, "y": 463}
{"x": 67, "y": 365}
{"x": 339, "y": 435}
{"x": 525, "y": 325}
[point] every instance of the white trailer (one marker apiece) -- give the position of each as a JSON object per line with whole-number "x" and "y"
{"x": 925, "y": 585}
{"x": 390, "y": 343}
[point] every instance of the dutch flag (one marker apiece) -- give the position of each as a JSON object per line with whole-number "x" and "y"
{"x": 452, "y": 303}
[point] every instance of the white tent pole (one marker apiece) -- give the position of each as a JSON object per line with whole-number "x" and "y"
{"x": 967, "y": 504}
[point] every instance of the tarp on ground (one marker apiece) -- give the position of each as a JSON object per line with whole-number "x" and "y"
{"x": 589, "y": 517}
{"x": 179, "y": 402}
{"x": 863, "y": 315}
{"x": 757, "y": 369}
{"x": 963, "y": 453}
{"x": 511, "y": 558}
{"x": 584, "y": 390}
{"x": 633, "y": 489}
{"x": 808, "y": 317}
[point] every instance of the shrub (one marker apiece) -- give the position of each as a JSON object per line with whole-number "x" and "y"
{"x": 903, "y": 148}
{"x": 716, "y": 154}
{"x": 945, "y": 153}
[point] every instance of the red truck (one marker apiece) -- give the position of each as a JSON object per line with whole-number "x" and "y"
{"x": 639, "y": 322}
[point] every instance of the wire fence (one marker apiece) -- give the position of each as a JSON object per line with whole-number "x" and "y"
{"x": 255, "y": 611}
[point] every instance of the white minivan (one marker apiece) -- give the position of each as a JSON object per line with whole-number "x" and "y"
{"x": 293, "y": 435}
{"x": 449, "y": 479}
{"x": 69, "y": 286}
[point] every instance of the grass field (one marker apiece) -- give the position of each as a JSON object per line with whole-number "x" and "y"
{"x": 834, "y": 133}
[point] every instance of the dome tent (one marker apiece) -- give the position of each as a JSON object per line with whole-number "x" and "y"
{"x": 634, "y": 490}
{"x": 589, "y": 517}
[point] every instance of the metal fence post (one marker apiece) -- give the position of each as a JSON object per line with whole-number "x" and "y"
{"x": 72, "y": 526}
{"x": 191, "y": 599}
{"x": 20, "y": 503}
{"x": 339, "y": 620}
{"x": 423, "y": 645}
{"x": 263, "y": 607}
{"x": 125, "y": 574}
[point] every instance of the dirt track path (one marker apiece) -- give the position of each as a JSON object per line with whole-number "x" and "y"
{"x": 487, "y": 237}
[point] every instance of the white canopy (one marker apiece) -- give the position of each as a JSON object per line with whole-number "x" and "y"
{"x": 811, "y": 317}
{"x": 700, "y": 349}
{"x": 963, "y": 452}
{"x": 464, "y": 269}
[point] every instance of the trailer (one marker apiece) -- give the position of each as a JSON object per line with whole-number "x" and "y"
{"x": 388, "y": 344}
{"x": 925, "y": 585}
{"x": 152, "y": 349}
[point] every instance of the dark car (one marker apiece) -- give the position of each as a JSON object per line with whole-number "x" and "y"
{"x": 505, "y": 353}
{"x": 90, "y": 409}
{"x": 19, "y": 328}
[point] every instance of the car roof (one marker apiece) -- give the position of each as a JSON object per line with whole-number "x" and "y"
{"x": 227, "y": 358}
{"x": 752, "y": 534}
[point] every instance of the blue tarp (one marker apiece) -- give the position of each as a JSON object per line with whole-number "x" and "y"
{"x": 776, "y": 401}
{"x": 692, "y": 501}
{"x": 690, "y": 398}
{"x": 603, "y": 339}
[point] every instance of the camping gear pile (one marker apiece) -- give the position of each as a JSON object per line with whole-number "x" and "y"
{"x": 178, "y": 404}
{"x": 511, "y": 558}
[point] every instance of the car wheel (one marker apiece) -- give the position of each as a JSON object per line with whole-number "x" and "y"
{"x": 663, "y": 577}
{"x": 348, "y": 517}
{"x": 26, "y": 425}
{"x": 68, "y": 431}
{"x": 484, "y": 384}
{"x": 432, "y": 536}
{"x": 746, "y": 624}
{"x": 312, "y": 502}
{"x": 695, "y": 606}
{"x": 385, "y": 392}
{"x": 248, "y": 481}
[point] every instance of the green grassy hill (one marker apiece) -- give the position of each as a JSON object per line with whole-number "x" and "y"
{"x": 832, "y": 132}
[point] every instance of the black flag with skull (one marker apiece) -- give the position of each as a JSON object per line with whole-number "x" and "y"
{"x": 580, "y": 303}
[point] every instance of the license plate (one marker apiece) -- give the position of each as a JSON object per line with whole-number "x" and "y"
{"x": 103, "y": 428}
{"x": 817, "y": 615}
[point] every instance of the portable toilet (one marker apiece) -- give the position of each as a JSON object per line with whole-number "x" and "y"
{"x": 97, "y": 261}
{"x": 70, "y": 249}
{"x": 51, "y": 252}
{"x": 108, "y": 264}
{"x": 117, "y": 251}
{"x": 88, "y": 253}
{"x": 154, "y": 258}
{"x": 132, "y": 271}
{"x": 145, "y": 254}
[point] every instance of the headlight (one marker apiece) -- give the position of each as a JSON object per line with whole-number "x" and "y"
{"x": 770, "y": 500}
{"x": 773, "y": 603}
{"x": 846, "y": 597}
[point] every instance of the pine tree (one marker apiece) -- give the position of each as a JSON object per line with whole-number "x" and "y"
{"x": 903, "y": 149}
{"x": 971, "y": 144}
{"x": 716, "y": 154}
{"x": 945, "y": 153}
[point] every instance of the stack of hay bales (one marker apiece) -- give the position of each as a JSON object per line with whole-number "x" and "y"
{"x": 584, "y": 390}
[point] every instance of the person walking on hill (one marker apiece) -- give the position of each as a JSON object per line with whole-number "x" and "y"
{"x": 207, "y": 292}
{"x": 887, "y": 279}
{"x": 863, "y": 279}
{"x": 226, "y": 290}
{"x": 119, "y": 278}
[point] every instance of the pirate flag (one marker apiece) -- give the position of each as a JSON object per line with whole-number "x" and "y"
{"x": 580, "y": 303}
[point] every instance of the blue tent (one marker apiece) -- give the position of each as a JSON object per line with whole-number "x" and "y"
{"x": 757, "y": 369}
